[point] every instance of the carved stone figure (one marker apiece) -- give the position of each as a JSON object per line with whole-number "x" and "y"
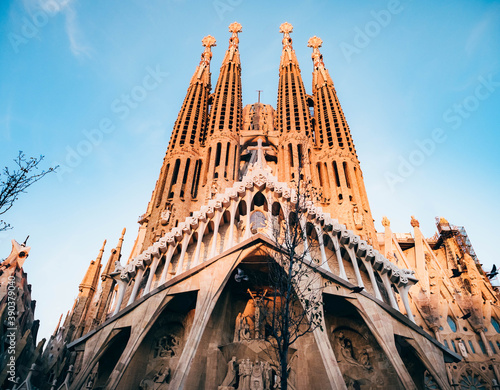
{"x": 358, "y": 218}
{"x": 230, "y": 378}
{"x": 256, "y": 381}
{"x": 364, "y": 359}
{"x": 166, "y": 346}
{"x": 245, "y": 372}
{"x": 267, "y": 374}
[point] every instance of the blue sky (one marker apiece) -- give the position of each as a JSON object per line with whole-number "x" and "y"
{"x": 419, "y": 83}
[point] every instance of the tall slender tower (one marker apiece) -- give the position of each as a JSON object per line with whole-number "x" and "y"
{"x": 336, "y": 166}
{"x": 222, "y": 143}
{"x": 293, "y": 119}
{"x": 87, "y": 289}
{"x": 182, "y": 165}
{"x": 107, "y": 285}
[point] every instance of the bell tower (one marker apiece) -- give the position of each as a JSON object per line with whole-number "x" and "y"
{"x": 293, "y": 119}
{"x": 335, "y": 166}
{"x": 223, "y": 133}
{"x": 183, "y": 163}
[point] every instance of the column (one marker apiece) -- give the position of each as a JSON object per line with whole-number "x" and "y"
{"x": 137, "y": 284}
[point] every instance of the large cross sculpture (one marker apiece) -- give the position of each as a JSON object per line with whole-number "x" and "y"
{"x": 260, "y": 152}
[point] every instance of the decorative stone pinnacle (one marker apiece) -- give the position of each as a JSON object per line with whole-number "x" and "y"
{"x": 314, "y": 42}
{"x": 235, "y": 28}
{"x": 414, "y": 222}
{"x": 206, "y": 56}
{"x": 208, "y": 41}
{"x": 286, "y": 28}
{"x": 386, "y": 222}
{"x": 443, "y": 221}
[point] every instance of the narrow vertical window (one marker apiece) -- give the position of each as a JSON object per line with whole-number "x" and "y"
{"x": 217, "y": 159}
{"x": 335, "y": 169}
{"x": 196, "y": 179}
{"x": 159, "y": 194}
{"x": 346, "y": 174}
{"x": 235, "y": 169}
{"x": 290, "y": 155}
{"x": 175, "y": 173}
{"x": 185, "y": 176}
{"x": 205, "y": 175}
{"x": 299, "y": 154}
{"x": 227, "y": 160}
{"x": 318, "y": 166}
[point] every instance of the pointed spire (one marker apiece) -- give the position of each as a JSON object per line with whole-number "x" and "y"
{"x": 293, "y": 106}
{"x": 190, "y": 124}
{"x": 58, "y": 325}
{"x": 332, "y": 128}
{"x": 232, "y": 53}
{"x": 107, "y": 284}
{"x": 320, "y": 74}
{"x": 115, "y": 255}
{"x": 204, "y": 66}
{"x": 92, "y": 275}
{"x": 227, "y": 107}
{"x": 288, "y": 54}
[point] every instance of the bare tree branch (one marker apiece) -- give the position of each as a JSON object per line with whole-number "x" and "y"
{"x": 294, "y": 305}
{"x": 15, "y": 181}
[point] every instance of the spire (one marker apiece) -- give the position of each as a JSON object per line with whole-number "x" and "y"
{"x": 58, "y": 325}
{"x": 107, "y": 284}
{"x": 92, "y": 275}
{"x": 115, "y": 255}
{"x": 292, "y": 107}
{"x": 336, "y": 166}
{"x": 190, "y": 123}
{"x": 332, "y": 128}
{"x": 222, "y": 139}
{"x": 227, "y": 108}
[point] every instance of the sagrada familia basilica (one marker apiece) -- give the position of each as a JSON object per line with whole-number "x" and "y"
{"x": 399, "y": 311}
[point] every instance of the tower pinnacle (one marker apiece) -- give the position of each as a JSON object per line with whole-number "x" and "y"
{"x": 234, "y": 41}
{"x": 206, "y": 56}
{"x": 286, "y": 28}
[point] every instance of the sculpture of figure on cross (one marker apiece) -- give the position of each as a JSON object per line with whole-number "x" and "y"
{"x": 261, "y": 160}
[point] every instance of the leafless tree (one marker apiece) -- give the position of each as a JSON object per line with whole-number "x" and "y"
{"x": 292, "y": 307}
{"x": 15, "y": 181}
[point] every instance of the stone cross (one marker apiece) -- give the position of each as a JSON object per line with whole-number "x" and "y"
{"x": 260, "y": 152}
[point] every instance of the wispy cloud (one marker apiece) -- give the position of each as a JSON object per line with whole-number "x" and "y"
{"x": 67, "y": 8}
{"x": 75, "y": 36}
{"x": 476, "y": 37}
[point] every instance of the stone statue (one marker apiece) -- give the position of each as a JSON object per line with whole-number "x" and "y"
{"x": 256, "y": 381}
{"x": 267, "y": 374}
{"x": 364, "y": 359}
{"x": 358, "y": 218}
{"x": 230, "y": 378}
{"x": 245, "y": 372}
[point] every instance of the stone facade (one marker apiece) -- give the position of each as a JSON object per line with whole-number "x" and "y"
{"x": 179, "y": 314}
{"x": 18, "y": 348}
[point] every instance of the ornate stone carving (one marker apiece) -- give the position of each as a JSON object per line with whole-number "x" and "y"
{"x": 206, "y": 56}
{"x": 166, "y": 346}
{"x": 231, "y": 375}
{"x": 386, "y": 222}
{"x": 347, "y": 351}
{"x": 358, "y": 218}
{"x": 414, "y": 222}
